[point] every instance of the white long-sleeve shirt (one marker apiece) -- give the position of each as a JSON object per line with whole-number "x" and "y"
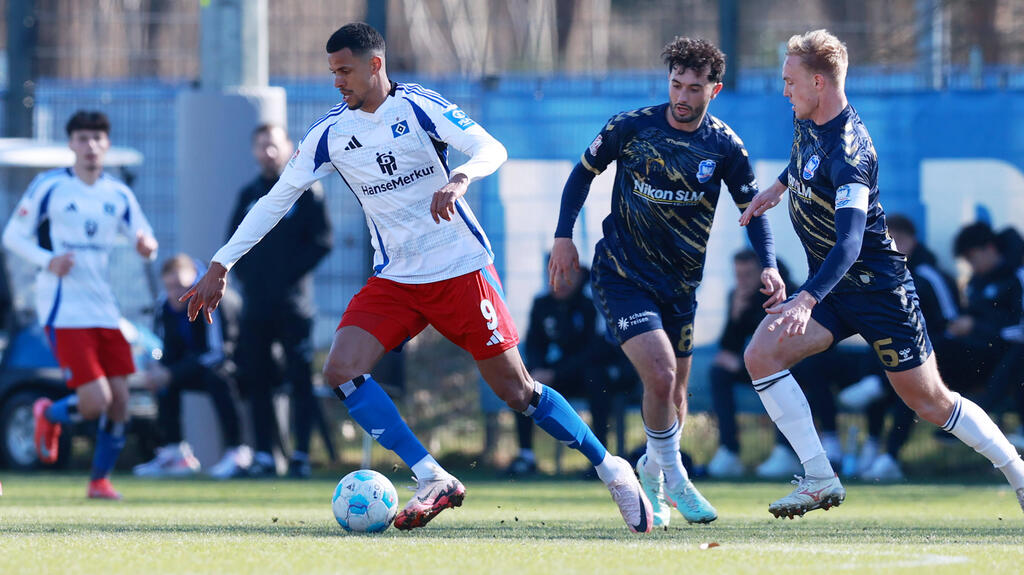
{"x": 393, "y": 160}
{"x": 60, "y": 213}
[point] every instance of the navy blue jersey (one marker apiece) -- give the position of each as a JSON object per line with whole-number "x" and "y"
{"x": 823, "y": 159}
{"x": 666, "y": 188}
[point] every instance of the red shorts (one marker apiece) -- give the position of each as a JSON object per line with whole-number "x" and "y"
{"x": 87, "y": 354}
{"x": 469, "y": 310}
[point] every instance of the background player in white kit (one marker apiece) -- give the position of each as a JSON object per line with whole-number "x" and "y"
{"x": 67, "y": 223}
{"x": 432, "y": 264}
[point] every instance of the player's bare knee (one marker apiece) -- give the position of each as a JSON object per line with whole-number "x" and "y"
{"x": 753, "y": 359}
{"x": 339, "y": 370}
{"x": 516, "y": 397}
{"x": 94, "y": 406}
{"x": 661, "y": 384}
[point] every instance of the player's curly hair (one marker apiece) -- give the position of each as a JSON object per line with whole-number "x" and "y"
{"x": 695, "y": 54}
{"x": 821, "y": 52}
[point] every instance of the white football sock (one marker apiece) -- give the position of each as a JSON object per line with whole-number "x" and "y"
{"x": 427, "y": 468}
{"x": 663, "y": 446}
{"x": 787, "y": 407}
{"x": 970, "y": 424}
{"x": 607, "y": 470}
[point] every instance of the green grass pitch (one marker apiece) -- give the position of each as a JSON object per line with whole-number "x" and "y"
{"x": 543, "y": 526}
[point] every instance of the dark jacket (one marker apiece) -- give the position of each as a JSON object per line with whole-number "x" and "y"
{"x": 562, "y": 334}
{"x": 190, "y": 347}
{"x": 936, "y": 290}
{"x": 278, "y": 271}
{"x": 995, "y": 300}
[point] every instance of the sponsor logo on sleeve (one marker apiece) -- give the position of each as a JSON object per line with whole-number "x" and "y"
{"x": 22, "y": 212}
{"x": 811, "y": 166}
{"x": 595, "y": 145}
{"x": 704, "y": 170}
{"x": 295, "y": 156}
{"x": 459, "y": 118}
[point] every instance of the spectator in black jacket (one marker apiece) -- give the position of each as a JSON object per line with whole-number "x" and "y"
{"x": 993, "y": 304}
{"x": 278, "y": 306}
{"x": 565, "y": 349}
{"x": 196, "y": 356}
{"x": 988, "y": 334}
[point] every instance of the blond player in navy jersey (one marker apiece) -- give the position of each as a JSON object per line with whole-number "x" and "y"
{"x": 66, "y": 224}
{"x": 858, "y": 284}
{"x": 432, "y": 264}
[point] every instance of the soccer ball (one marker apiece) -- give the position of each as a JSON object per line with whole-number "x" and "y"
{"x": 365, "y": 501}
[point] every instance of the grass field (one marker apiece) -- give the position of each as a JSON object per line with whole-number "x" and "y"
{"x": 199, "y": 526}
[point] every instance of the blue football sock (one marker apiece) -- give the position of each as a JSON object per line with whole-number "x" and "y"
{"x": 64, "y": 411}
{"x": 109, "y": 443}
{"x": 553, "y": 414}
{"x": 373, "y": 410}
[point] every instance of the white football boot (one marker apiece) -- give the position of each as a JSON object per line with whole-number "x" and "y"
{"x": 811, "y": 493}
{"x": 629, "y": 496}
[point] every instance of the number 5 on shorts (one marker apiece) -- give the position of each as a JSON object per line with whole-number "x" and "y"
{"x": 490, "y": 314}
{"x": 888, "y": 357}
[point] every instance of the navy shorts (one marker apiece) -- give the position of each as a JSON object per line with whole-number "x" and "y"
{"x": 631, "y": 310}
{"x": 890, "y": 321}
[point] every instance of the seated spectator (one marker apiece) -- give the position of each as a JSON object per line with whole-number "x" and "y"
{"x": 196, "y": 356}
{"x": 987, "y": 336}
{"x": 565, "y": 348}
{"x": 993, "y": 304}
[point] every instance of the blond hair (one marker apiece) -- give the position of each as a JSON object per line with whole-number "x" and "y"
{"x": 821, "y": 52}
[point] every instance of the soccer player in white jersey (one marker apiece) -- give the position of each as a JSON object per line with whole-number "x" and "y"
{"x": 859, "y": 282}
{"x": 67, "y": 223}
{"x": 432, "y": 264}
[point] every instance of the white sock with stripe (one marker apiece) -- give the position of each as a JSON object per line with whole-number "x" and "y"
{"x": 663, "y": 447}
{"x": 970, "y": 424}
{"x": 787, "y": 406}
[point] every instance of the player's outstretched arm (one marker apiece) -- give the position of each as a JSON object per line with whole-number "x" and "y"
{"x": 206, "y": 294}
{"x": 146, "y": 245}
{"x": 564, "y": 263}
{"x": 762, "y": 202}
{"x": 774, "y": 287}
{"x": 442, "y": 206}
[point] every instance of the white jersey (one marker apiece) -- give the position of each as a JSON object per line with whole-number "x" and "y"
{"x": 393, "y": 160}
{"x": 60, "y": 213}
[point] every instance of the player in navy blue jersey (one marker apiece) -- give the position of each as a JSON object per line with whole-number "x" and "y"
{"x": 671, "y": 162}
{"x": 858, "y": 282}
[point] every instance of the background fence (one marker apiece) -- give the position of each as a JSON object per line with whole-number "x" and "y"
{"x": 940, "y": 85}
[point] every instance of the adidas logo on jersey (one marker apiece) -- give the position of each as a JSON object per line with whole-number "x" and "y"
{"x": 353, "y": 144}
{"x": 496, "y": 338}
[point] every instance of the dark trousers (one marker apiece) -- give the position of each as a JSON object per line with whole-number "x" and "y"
{"x": 902, "y": 420}
{"x": 212, "y": 381}
{"x": 259, "y": 372}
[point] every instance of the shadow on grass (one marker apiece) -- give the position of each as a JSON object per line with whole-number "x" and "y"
{"x": 746, "y": 532}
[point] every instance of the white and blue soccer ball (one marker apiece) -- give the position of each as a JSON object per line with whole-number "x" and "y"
{"x": 365, "y": 502}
